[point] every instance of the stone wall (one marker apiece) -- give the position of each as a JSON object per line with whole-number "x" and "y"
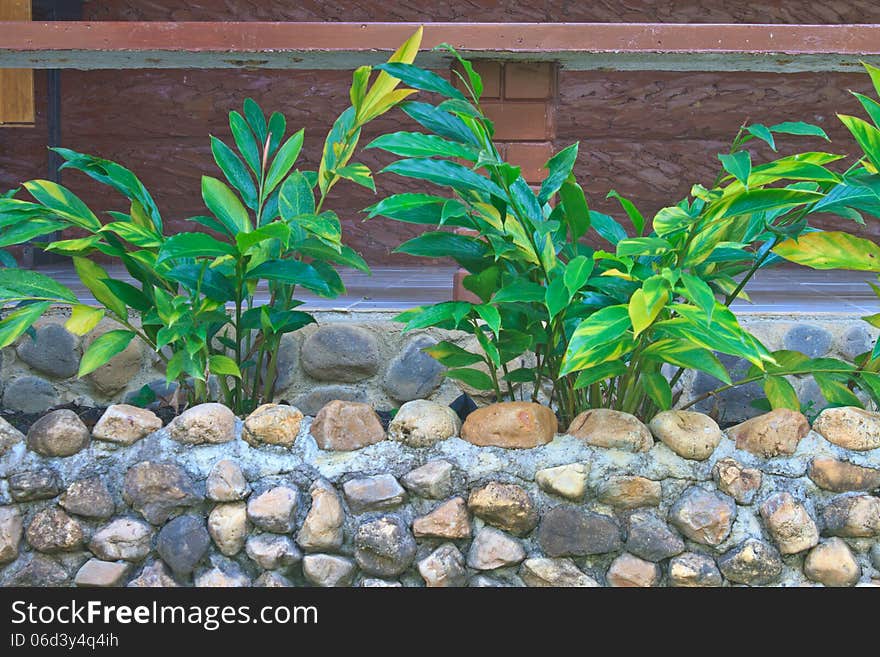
{"x": 366, "y": 357}
{"x": 209, "y": 501}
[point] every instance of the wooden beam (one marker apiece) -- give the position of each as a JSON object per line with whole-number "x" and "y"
{"x": 617, "y": 46}
{"x": 16, "y": 84}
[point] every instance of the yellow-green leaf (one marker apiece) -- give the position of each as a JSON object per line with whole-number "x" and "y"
{"x": 780, "y": 393}
{"x": 103, "y": 349}
{"x": 831, "y": 250}
{"x": 83, "y": 319}
{"x": 93, "y": 276}
{"x": 223, "y": 365}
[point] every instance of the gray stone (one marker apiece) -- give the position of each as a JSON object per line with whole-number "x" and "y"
{"x": 158, "y": 490}
{"x": 11, "y": 525}
{"x": 413, "y": 374}
{"x": 444, "y": 567}
{"x": 692, "y": 570}
{"x": 852, "y": 516}
{"x": 340, "y": 352}
{"x": 814, "y": 341}
{"x": 54, "y": 351}
{"x": 30, "y": 394}
{"x": 154, "y": 575}
{"x": 313, "y": 401}
{"x": 124, "y": 538}
{"x": 88, "y": 498}
{"x": 272, "y": 580}
{"x": 205, "y": 423}
{"x": 124, "y": 424}
{"x": 570, "y": 531}
{"x": 377, "y": 583}
{"x": 273, "y": 552}
{"x": 226, "y": 575}
{"x": 327, "y": 570}
{"x": 36, "y": 570}
{"x": 493, "y": 549}
{"x": 182, "y": 543}
{"x": 789, "y": 523}
{"x": 384, "y": 547}
{"x": 703, "y": 516}
{"x": 52, "y": 530}
{"x": 486, "y": 582}
{"x": 97, "y": 573}
{"x": 875, "y": 555}
{"x": 650, "y": 538}
{"x": 376, "y": 493}
{"x": 856, "y": 341}
{"x": 734, "y": 404}
{"x": 422, "y": 423}
{"x": 322, "y": 528}
{"x": 228, "y": 526}
{"x": 432, "y": 480}
{"x": 810, "y": 395}
{"x": 41, "y": 484}
{"x": 59, "y": 433}
{"x": 9, "y": 436}
{"x": 226, "y": 482}
{"x": 752, "y": 562}
{"x": 274, "y": 510}
{"x": 544, "y": 572}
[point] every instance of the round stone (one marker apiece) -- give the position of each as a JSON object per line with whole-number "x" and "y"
{"x": 703, "y": 516}
{"x": 158, "y": 490}
{"x": 422, "y": 423}
{"x": 182, "y": 543}
{"x": 9, "y": 436}
{"x": 339, "y": 352}
{"x": 328, "y": 570}
{"x": 226, "y": 482}
{"x": 384, "y": 547}
{"x": 59, "y": 433}
{"x": 343, "y": 426}
{"x": 832, "y": 563}
{"x": 275, "y": 510}
{"x": 124, "y": 538}
{"x": 842, "y": 477}
{"x": 692, "y": 570}
{"x": 688, "y": 434}
{"x": 322, "y": 528}
{"x": 413, "y": 374}
{"x": 88, "y": 498}
{"x": 272, "y": 424}
{"x": 772, "y": 434}
{"x": 506, "y": 506}
{"x": 603, "y": 427}
{"x": 493, "y": 549}
{"x": 814, "y": 341}
{"x": 11, "y": 525}
{"x": 569, "y": 481}
{"x": 30, "y": 394}
{"x": 850, "y": 427}
{"x": 54, "y": 351}
{"x": 204, "y": 423}
{"x": 856, "y": 341}
{"x": 541, "y": 572}
{"x": 510, "y": 424}
{"x": 753, "y": 562}
{"x": 650, "y": 538}
{"x": 311, "y": 402}
{"x": 32, "y": 485}
{"x": 789, "y": 524}
{"x": 228, "y": 526}
{"x": 125, "y": 424}
{"x": 444, "y": 567}
{"x": 52, "y": 530}
{"x": 628, "y": 571}
{"x": 271, "y": 551}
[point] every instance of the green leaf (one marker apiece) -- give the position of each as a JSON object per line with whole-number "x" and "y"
{"x": 599, "y": 328}
{"x": 103, "y": 349}
{"x": 359, "y": 174}
{"x": 556, "y": 297}
{"x": 63, "y": 203}
{"x": 445, "y": 173}
{"x": 359, "y": 81}
{"x": 451, "y": 355}
{"x": 436, "y": 315}
{"x": 277, "y": 230}
{"x": 293, "y": 272}
{"x": 658, "y": 389}
{"x": 244, "y": 140}
{"x": 194, "y": 245}
{"x": 474, "y": 79}
{"x": 467, "y": 251}
{"x": 698, "y": 292}
{"x": 283, "y": 163}
{"x": 224, "y": 205}
{"x": 277, "y": 128}
{"x": 256, "y": 119}
{"x": 631, "y": 210}
{"x": 599, "y": 373}
{"x": 835, "y": 390}
{"x": 577, "y": 273}
{"x": 642, "y": 246}
{"x": 643, "y": 309}
{"x": 520, "y": 291}
{"x": 419, "y": 78}
{"x": 574, "y": 203}
{"x": 762, "y": 132}
{"x": 739, "y": 165}
{"x": 560, "y": 166}
{"x": 761, "y": 200}
{"x": 780, "y": 393}
{"x": 94, "y": 278}
{"x": 235, "y": 171}
{"x": 682, "y": 353}
{"x": 670, "y": 219}
{"x": 83, "y": 319}
{"x": 146, "y": 238}
{"x": 417, "y": 144}
{"x": 296, "y": 197}
{"x": 26, "y": 285}
{"x": 831, "y": 250}
{"x": 129, "y": 294}
{"x": 440, "y": 122}
{"x": 484, "y": 283}
{"x": 223, "y": 366}
{"x": 799, "y": 128}
{"x": 18, "y": 321}
{"x": 474, "y": 378}
{"x": 867, "y": 136}
{"x": 613, "y": 350}
{"x": 607, "y": 228}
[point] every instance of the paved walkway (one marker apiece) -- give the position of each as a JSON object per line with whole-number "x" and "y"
{"x": 784, "y": 290}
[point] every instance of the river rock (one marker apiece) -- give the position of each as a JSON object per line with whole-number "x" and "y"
{"x": 59, "y": 433}
{"x": 228, "y": 526}
{"x": 789, "y": 524}
{"x": 449, "y": 520}
{"x": 118, "y": 372}
{"x": 703, "y": 516}
{"x": 124, "y": 424}
{"x": 772, "y": 434}
{"x": 571, "y": 531}
{"x": 97, "y": 573}
{"x": 343, "y": 426}
{"x": 413, "y": 374}
{"x": 376, "y": 493}
{"x": 842, "y": 477}
{"x": 272, "y": 424}
{"x": 274, "y": 510}
{"x": 328, "y": 570}
{"x": 88, "y": 498}
{"x": 603, "y": 427}
{"x": 852, "y": 516}
{"x": 692, "y": 570}
{"x": 432, "y": 480}
{"x": 568, "y": 481}
{"x": 752, "y": 562}
{"x": 650, "y": 538}
{"x": 421, "y": 423}
{"x": 514, "y": 425}
{"x": 52, "y": 530}
{"x": 493, "y": 549}
{"x": 226, "y": 482}
{"x": 690, "y": 435}
{"x": 9, "y": 436}
{"x": 206, "y": 423}
{"x": 271, "y": 551}
{"x": 506, "y": 506}
{"x": 32, "y": 485}
{"x": 832, "y": 563}
{"x": 124, "y": 539}
{"x": 340, "y": 352}
{"x": 629, "y": 492}
{"x": 850, "y": 427}
{"x": 384, "y": 547}
{"x": 735, "y": 480}
{"x": 322, "y": 528}
{"x": 154, "y": 575}
{"x": 629, "y": 571}
{"x": 11, "y": 525}
{"x": 444, "y": 567}
{"x": 29, "y": 394}
{"x": 182, "y": 543}
{"x": 53, "y": 350}
{"x": 561, "y": 573}
{"x": 158, "y": 490}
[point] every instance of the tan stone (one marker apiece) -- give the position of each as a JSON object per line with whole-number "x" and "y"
{"x": 850, "y": 427}
{"x": 449, "y": 520}
{"x": 272, "y": 424}
{"x": 506, "y": 506}
{"x": 343, "y": 426}
{"x": 275, "y": 510}
{"x": 629, "y": 571}
{"x": 703, "y": 516}
{"x": 126, "y": 424}
{"x": 444, "y": 567}
{"x": 832, "y": 563}
{"x": 603, "y": 427}
{"x": 789, "y": 523}
{"x": 226, "y": 482}
{"x": 375, "y": 493}
{"x": 328, "y": 570}
{"x": 493, "y": 549}
{"x": 204, "y": 423}
{"x": 514, "y": 425}
{"x": 228, "y": 526}
{"x": 52, "y": 530}
{"x": 690, "y": 435}
{"x": 422, "y": 423}
{"x": 630, "y": 492}
{"x": 694, "y": 570}
{"x": 563, "y": 573}
{"x": 154, "y": 575}
{"x": 771, "y": 434}
{"x": 95, "y": 572}
{"x": 843, "y": 477}
{"x": 123, "y": 539}
{"x": 568, "y": 481}
{"x": 852, "y": 516}
{"x": 432, "y": 480}
{"x": 10, "y": 533}
{"x": 114, "y": 375}
{"x": 9, "y": 436}
{"x": 735, "y": 480}
{"x": 59, "y": 433}
{"x": 322, "y": 528}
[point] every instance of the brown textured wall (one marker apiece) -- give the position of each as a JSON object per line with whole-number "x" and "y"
{"x": 648, "y": 135}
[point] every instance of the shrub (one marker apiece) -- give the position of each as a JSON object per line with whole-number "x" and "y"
{"x": 195, "y": 291}
{"x": 605, "y": 325}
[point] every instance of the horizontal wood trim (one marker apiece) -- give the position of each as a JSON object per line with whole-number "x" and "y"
{"x": 617, "y": 46}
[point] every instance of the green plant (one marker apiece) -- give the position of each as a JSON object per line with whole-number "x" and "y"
{"x": 603, "y": 322}
{"x": 196, "y": 292}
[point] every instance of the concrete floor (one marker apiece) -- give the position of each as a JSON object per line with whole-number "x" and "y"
{"x": 779, "y": 290}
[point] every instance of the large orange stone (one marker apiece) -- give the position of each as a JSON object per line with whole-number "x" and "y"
{"x": 343, "y": 426}
{"x": 515, "y": 425}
